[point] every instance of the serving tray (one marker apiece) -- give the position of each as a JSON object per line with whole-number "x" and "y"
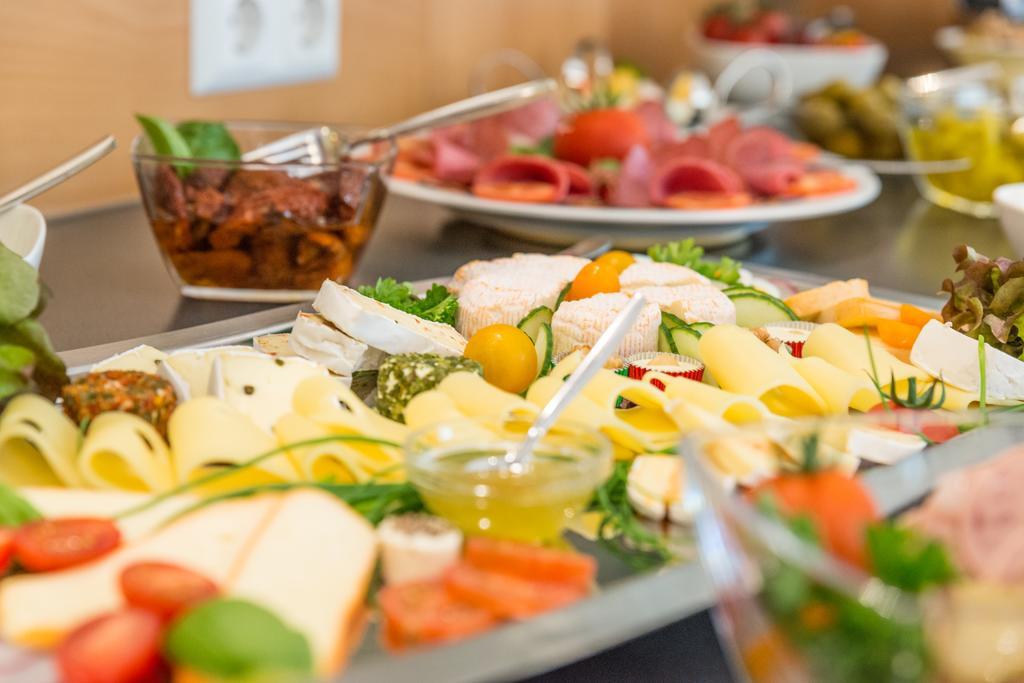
{"x": 628, "y": 604}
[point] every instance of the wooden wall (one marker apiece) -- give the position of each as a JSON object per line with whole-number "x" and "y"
{"x": 73, "y": 71}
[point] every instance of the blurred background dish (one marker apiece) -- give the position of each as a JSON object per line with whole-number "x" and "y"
{"x": 1010, "y": 201}
{"x": 23, "y": 231}
{"x": 254, "y": 231}
{"x": 990, "y": 37}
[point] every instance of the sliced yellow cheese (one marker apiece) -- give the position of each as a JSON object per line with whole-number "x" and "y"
{"x": 36, "y": 610}
{"x": 741, "y": 363}
{"x": 339, "y": 461}
{"x": 429, "y": 407}
{"x": 733, "y": 408}
{"x": 841, "y": 390}
{"x": 206, "y": 433}
{"x": 849, "y": 351}
{"x": 38, "y": 444}
{"x": 475, "y": 397}
{"x": 123, "y": 451}
{"x": 311, "y": 565}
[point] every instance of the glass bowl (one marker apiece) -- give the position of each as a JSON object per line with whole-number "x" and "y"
{"x": 963, "y": 114}
{"x": 787, "y": 611}
{"x": 463, "y": 471}
{"x": 251, "y": 231}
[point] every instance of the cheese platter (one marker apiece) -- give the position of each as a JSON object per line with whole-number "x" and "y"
{"x": 370, "y": 414}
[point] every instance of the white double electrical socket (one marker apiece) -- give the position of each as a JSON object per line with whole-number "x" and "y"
{"x": 244, "y": 44}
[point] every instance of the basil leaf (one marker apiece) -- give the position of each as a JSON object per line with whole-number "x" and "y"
{"x": 209, "y": 140}
{"x": 15, "y": 510}
{"x": 166, "y": 140}
{"x": 19, "y": 284}
{"x": 232, "y": 638}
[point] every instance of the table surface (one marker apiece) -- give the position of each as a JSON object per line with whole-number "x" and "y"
{"x": 109, "y": 283}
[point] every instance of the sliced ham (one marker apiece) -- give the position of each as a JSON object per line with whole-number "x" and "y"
{"x": 532, "y": 122}
{"x": 452, "y": 162}
{"x": 774, "y": 178}
{"x": 721, "y": 135}
{"x": 580, "y": 183}
{"x": 660, "y": 129}
{"x": 630, "y": 188}
{"x": 695, "y": 145}
{"x": 756, "y": 147}
{"x": 525, "y": 169}
{"x": 686, "y": 175}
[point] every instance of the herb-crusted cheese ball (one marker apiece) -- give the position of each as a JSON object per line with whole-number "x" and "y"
{"x": 405, "y": 375}
{"x": 693, "y": 303}
{"x": 651, "y": 274}
{"x": 580, "y": 323}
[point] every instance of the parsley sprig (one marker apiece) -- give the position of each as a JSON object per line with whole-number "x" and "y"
{"x": 438, "y": 304}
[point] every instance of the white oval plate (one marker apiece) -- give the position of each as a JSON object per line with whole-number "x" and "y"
{"x": 563, "y": 224}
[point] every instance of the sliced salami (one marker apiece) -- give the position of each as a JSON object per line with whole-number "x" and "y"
{"x": 686, "y": 175}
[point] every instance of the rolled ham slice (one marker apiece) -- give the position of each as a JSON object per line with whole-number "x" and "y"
{"x": 452, "y": 162}
{"x": 721, "y": 135}
{"x": 580, "y": 183}
{"x": 773, "y": 179}
{"x": 510, "y": 170}
{"x": 630, "y": 187}
{"x": 688, "y": 175}
{"x": 660, "y": 130}
{"x": 696, "y": 145}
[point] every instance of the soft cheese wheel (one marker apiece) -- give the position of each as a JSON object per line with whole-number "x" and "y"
{"x": 650, "y": 274}
{"x": 693, "y": 303}
{"x": 505, "y": 299}
{"x": 580, "y": 324}
{"x": 558, "y": 268}
{"x": 319, "y": 341}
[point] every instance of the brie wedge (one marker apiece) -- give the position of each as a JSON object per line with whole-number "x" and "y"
{"x": 259, "y": 385}
{"x": 189, "y": 371}
{"x": 315, "y": 339}
{"x": 384, "y": 327}
{"x": 943, "y": 352}
{"x": 273, "y": 344}
{"x": 882, "y": 446}
{"x": 142, "y": 358}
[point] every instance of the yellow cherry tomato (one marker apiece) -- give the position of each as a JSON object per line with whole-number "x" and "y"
{"x": 619, "y": 260}
{"x": 594, "y": 278}
{"x": 507, "y": 356}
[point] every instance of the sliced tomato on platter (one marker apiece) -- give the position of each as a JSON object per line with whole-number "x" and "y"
{"x": 425, "y": 612}
{"x": 600, "y": 134}
{"x": 838, "y": 505}
{"x": 930, "y": 428}
{"x": 164, "y": 589}
{"x": 708, "y": 200}
{"x": 815, "y": 183}
{"x": 50, "y": 544}
{"x": 121, "y": 647}
{"x": 6, "y": 549}
{"x": 531, "y": 562}
{"x": 507, "y": 596}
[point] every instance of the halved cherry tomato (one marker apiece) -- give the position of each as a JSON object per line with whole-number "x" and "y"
{"x": 619, "y": 260}
{"x": 708, "y": 200}
{"x": 527, "y": 191}
{"x": 164, "y": 589}
{"x": 718, "y": 27}
{"x": 930, "y": 428}
{"x": 839, "y": 506}
{"x": 507, "y": 596}
{"x": 121, "y": 647}
{"x": 815, "y": 183}
{"x": 507, "y": 355}
{"x": 600, "y": 134}
{"x": 6, "y": 549}
{"x": 530, "y": 561}
{"x": 594, "y": 278}
{"x": 916, "y": 316}
{"x": 897, "y": 334}
{"x": 425, "y": 612}
{"x": 50, "y": 544}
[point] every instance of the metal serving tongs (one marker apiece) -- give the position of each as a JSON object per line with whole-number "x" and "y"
{"x": 58, "y": 174}
{"x": 325, "y": 144}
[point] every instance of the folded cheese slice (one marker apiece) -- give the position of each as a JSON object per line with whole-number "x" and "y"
{"x": 123, "y": 451}
{"x": 841, "y": 390}
{"x": 741, "y": 363}
{"x": 38, "y": 444}
{"x": 732, "y": 408}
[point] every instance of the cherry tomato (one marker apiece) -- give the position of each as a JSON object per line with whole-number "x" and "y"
{"x": 899, "y": 335}
{"x": 528, "y": 561}
{"x": 619, "y": 260}
{"x": 164, "y": 589}
{"x": 506, "y": 596}
{"x": 708, "y": 200}
{"x": 121, "y": 647}
{"x": 916, "y": 316}
{"x": 425, "y": 612}
{"x": 750, "y": 34}
{"x": 776, "y": 25}
{"x": 594, "y": 278}
{"x": 526, "y": 191}
{"x": 839, "y": 506}
{"x": 930, "y": 428}
{"x": 6, "y": 549}
{"x": 718, "y": 27}
{"x": 50, "y": 544}
{"x": 507, "y": 355}
{"x": 600, "y": 134}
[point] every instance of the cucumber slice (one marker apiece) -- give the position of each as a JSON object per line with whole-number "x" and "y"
{"x": 665, "y": 343}
{"x": 671, "y": 321}
{"x": 738, "y": 289}
{"x": 544, "y": 346}
{"x": 561, "y": 295}
{"x": 686, "y": 340}
{"x": 701, "y": 327}
{"x": 754, "y": 309}
{"x": 532, "y": 321}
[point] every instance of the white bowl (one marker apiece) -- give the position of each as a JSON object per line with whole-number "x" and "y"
{"x": 811, "y": 67}
{"x": 963, "y": 48}
{"x": 1009, "y": 201}
{"x": 23, "y": 231}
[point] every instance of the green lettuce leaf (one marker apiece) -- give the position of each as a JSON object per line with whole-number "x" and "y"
{"x": 438, "y": 304}
{"x": 988, "y": 299}
{"x": 687, "y": 253}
